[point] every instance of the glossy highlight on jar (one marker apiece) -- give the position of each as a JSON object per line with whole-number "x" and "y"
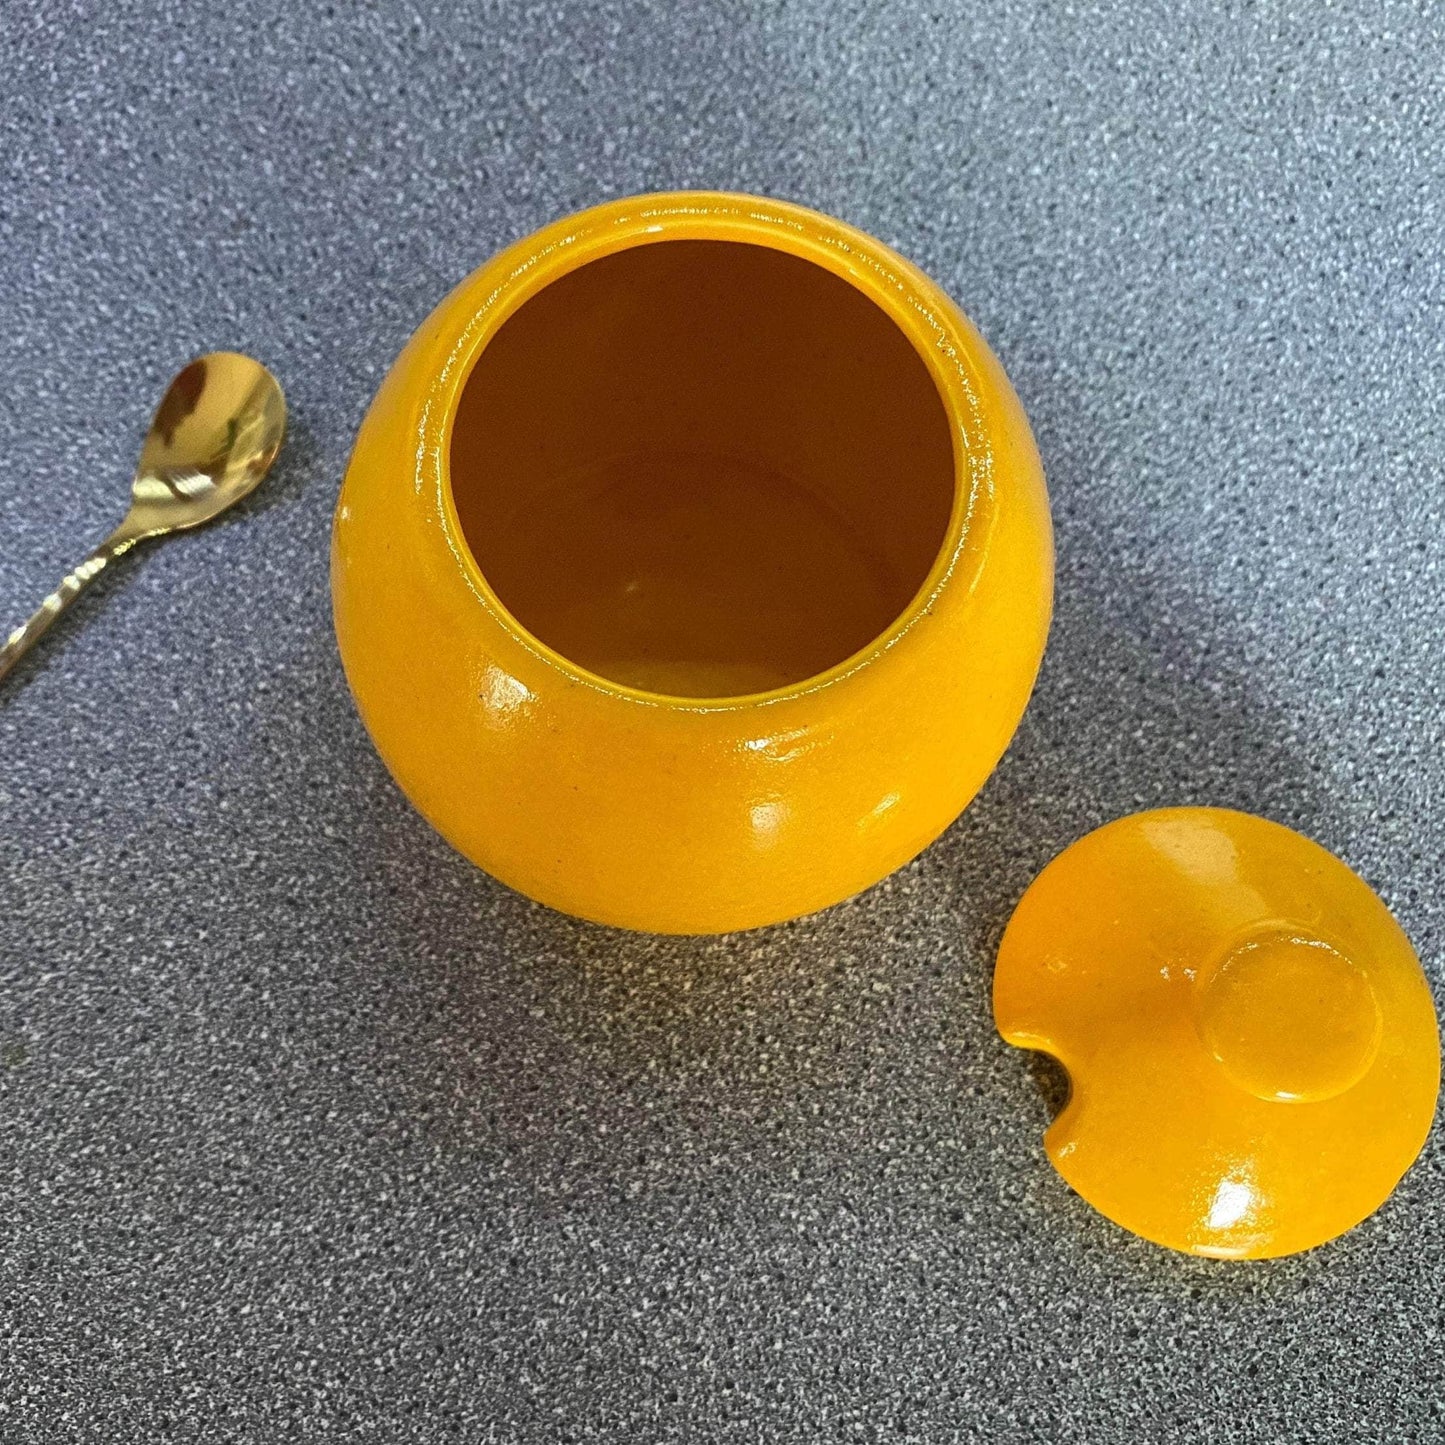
{"x": 693, "y": 565}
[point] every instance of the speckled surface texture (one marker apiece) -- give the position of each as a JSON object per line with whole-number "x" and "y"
{"x": 310, "y": 1131}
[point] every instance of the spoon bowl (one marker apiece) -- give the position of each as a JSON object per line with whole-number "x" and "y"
{"x": 213, "y": 438}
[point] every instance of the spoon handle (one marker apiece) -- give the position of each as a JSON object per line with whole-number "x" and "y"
{"x": 71, "y": 586}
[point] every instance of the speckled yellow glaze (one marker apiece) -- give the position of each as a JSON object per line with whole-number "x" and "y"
{"x": 1251, "y": 1042}
{"x": 670, "y": 813}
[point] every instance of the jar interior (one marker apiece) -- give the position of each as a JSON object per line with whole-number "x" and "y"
{"x": 702, "y": 468}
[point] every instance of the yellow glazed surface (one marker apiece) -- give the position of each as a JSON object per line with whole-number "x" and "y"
{"x": 710, "y": 590}
{"x": 1250, "y": 1039}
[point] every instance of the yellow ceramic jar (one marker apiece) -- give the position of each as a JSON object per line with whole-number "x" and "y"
{"x": 693, "y": 565}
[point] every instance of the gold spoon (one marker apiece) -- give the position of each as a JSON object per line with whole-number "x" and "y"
{"x": 214, "y": 436}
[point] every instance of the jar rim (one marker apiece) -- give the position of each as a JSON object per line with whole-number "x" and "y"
{"x": 904, "y": 294}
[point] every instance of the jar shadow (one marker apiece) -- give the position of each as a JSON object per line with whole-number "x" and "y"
{"x": 591, "y": 1054}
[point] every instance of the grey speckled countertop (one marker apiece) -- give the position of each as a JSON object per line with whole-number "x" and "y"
{"x": 310, "y": 1131}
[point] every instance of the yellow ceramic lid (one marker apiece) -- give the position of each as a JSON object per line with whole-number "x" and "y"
{"x": 1250, "y": 1039}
